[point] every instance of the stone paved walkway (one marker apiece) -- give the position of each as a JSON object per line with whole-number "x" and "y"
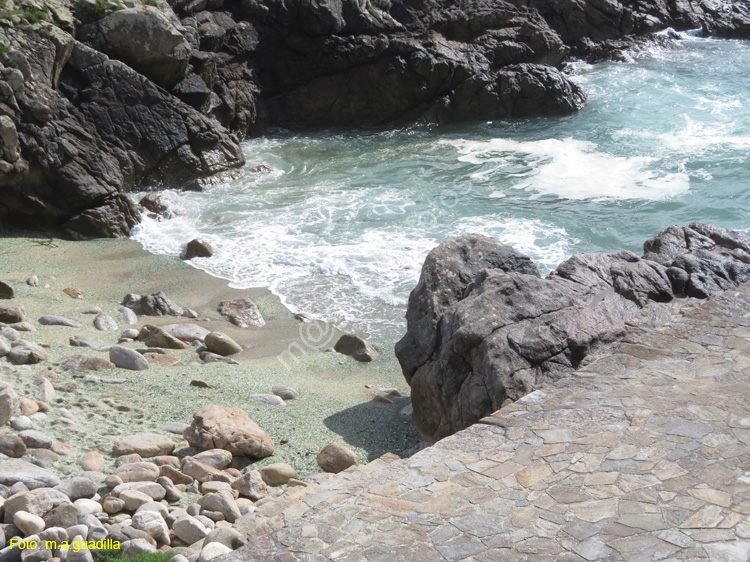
{"x": 643, "y": 455}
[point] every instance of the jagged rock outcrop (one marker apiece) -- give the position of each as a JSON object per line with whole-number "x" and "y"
{"x": 100, "y": 97}
{"x": 78, "y": 129}
{"x": 584, "y": 24}
{"x": 484, "y": 327}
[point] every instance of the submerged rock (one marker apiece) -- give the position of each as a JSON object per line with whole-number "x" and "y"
{"x": 197, "y": 249}
{"x": 483, "y": 327}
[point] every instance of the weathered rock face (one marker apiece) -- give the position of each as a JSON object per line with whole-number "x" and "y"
{"x": 88, "y": 128}
{"x": 597, "y": 21}
{"x": 160, "y": 52}
{"x": 147, "y": 95}
{"x": 483, "y": 327}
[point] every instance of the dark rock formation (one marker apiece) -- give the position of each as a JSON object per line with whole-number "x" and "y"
{"x": 77, "y": 129}
{"x": 107, "y": 100}
{"x": 483, "y": 327}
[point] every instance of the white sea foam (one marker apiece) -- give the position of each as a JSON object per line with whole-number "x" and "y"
{"x": 546, "y": 244}
{"x": 572, "y": 169}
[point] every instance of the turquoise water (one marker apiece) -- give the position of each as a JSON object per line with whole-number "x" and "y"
{"x": 342, "y": 225}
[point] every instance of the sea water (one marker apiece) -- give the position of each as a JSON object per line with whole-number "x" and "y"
{"x": 340, "y": 227}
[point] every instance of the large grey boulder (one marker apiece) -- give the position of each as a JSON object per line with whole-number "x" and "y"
{"x": 127, "y": 358}
{"x": 17, "y": 470}
{"x": 484, "y": 328}
{"x": 160, "y": 52}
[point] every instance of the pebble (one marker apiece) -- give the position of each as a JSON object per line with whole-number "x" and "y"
{"x": 33, "y": 281}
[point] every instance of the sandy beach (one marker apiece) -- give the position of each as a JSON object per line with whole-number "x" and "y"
{"x": 335, "y": 403}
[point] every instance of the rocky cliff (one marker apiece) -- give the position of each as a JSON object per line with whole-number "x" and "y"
{"x": 101, "y": 96}
{"x": 484, "y": 328}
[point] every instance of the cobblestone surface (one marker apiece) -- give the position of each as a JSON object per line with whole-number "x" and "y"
{"x": 643, "y": 455}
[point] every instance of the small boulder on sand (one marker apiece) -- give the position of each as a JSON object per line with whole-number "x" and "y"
{"x": 127, "y": 358}
{"x": 154, "y": 336}
{"x": 6, "y": 291}
{"x": 356, "y": 347}
{"x": 277, "y": 473}
{"x": 105, "y": 323}
{"x": 12, "y": 313}
{"x": 335, "y": 458}
{"x": 219, "y": 427}
{"x": 242, "y": 312}
{"x": 220, "y": 343}
{"x": 92, "y": 461}
{"x": 144, "y": 444}
{"x": 24, "y": 352}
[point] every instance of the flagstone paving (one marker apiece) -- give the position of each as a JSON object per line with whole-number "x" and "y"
{"x": 643, "y": 455}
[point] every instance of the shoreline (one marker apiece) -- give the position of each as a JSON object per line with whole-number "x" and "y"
{"x": 334, "y": 403}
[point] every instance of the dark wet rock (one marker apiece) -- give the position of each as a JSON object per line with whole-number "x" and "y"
{"x": 197, "y": 249}
{"x": 87, "y": 130}
{"x": 356, "y": 347}
{"x": 242, "y": 312}
{"x": 158, "y": 206}
{"x": 483, "y": 327}
{"x": 6, "y": 291}
{"x": 161, "y": 52}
